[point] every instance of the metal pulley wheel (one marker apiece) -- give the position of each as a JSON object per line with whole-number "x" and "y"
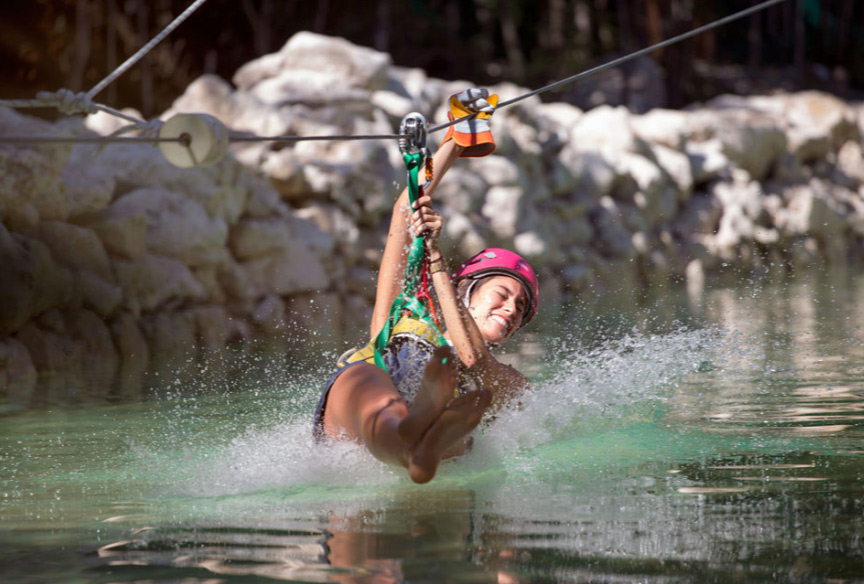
{"x": 201, "y": 140}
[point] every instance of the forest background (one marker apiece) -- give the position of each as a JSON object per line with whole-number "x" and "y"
{"x": 798, "y": 44}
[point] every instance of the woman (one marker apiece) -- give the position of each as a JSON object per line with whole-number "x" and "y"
{"x": 422, "y": 408}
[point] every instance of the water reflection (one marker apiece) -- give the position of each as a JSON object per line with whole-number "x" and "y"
{"x": 644, "y": 458}
{"x": 420, "y": 536}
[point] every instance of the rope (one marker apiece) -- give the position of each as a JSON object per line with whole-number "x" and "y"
{"x": 72, "y": 103}
{"x": 245, "y": 138}
{"x": 624, "y": 59}
{"x": 415, "y": 286}
{"x": 145, "y": 49}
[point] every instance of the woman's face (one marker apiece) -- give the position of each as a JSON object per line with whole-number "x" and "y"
{"x": 497, "y": 306}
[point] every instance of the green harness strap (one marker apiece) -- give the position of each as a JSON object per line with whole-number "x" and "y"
{"x": 407, "y": 298}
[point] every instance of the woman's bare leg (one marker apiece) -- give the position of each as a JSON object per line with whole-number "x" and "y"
{"x": 364, "y": 405}
{"x": 457, "y": 420}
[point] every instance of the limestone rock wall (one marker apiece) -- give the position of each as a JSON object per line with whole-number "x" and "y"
{"x": 115, "y": 263}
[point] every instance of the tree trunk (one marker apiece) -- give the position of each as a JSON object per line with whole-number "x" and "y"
{"x": 800, "y": 40}
{"x": 145, "y": 63}
{"x": 261, "y": 23}
{"x": 510, "y": 35}
{"x": 382, "y": 26}
{"x": 321, "y": 15}
{"x": 754, "y": 38}
{"x": 82, "y": 45}
{"x": 111, "y": 48}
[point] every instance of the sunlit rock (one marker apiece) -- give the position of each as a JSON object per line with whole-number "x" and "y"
{"x": 665, "y": 127}
{"x": 348, "y": 63}
{"x": 177, "y": 226}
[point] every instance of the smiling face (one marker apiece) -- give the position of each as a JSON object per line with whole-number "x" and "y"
{"x": 497, "y": 305}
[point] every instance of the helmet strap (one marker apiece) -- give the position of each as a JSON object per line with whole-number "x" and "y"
{"x": 467, "y": 299}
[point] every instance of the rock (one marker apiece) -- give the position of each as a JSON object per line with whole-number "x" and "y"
{"x": 133, "y": 353}
{"x": 494, "y": 170}
{"x": 556, "y": 120}
{"x": 102, "y": 296}
{"x": 209, "y": 94}
{"x": 462, "y": 237}
{"x": 213, "y": 328}
{"x": 153, "y": 282}
{"x": 74, "y": 247}
{"x": 88, "y": 184}
{"x": 751, "y": 140}
{"x": 811, "y": 210}
{"x": 32, "y": 281}
{"x": 269, "y": 314}
{"x": 676, "y": 165}
{"x": 171, "y": 340}
{"x": 18, "y": 375}
{"x": 72, "y": 343}
{"x": 336, "y": 59}
{"x": 590, "y": 173}
{"x": 502, "y": 209}
{"x": 707, "y": 160}
{"x": 818, "y": 123}
{"x": 463, "y": 191}
{"x": 700, "y": 216}
{"x": 612, "y": 238}
{"x": 849, "y": 162}
{"x": 287, "y": 272}
{"x": 177, "y": 226}
{"x": 29, "y": 189}
{"x": 608, "y": 130}
{"x": 663, "y": 127}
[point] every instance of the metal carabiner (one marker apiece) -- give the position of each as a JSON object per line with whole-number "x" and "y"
{"x": 413, "y": 129}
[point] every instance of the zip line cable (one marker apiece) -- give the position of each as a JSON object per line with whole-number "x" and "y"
{"x": 145, "y": 49}
{"x": 71, "y": 103}
{"x": 624, "y": 59}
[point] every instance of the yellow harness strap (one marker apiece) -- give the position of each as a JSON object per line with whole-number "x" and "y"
{"x": 405, "y": 326}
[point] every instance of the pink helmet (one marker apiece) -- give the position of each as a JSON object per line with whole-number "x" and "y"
{"x": 502, "y": 262}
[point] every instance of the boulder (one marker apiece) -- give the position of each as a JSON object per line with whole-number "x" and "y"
{"x": 177, "y": 226}
{"x": 133, "y": 353}
{"x": 818, "y": 123}
{"x": 307, "y": 54}
{"x": 74, "y": 247}
{"x": 18, "y": 375}
{"x": 606, "y": 129}
{"x": 32, "y": 281}
{"x": 153, "y": 282}
{"x": 663, "y": 127}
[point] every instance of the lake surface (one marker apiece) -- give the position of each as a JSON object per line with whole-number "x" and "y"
{"x": 716, "y": 437}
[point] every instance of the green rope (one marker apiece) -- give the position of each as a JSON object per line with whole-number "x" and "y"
{"x": 407, "y": 299}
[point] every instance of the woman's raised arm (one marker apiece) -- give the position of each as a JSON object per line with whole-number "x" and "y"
{"x": 399, "y": 238}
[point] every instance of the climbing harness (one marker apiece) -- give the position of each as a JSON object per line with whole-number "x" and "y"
{"x": 415, "y": 296}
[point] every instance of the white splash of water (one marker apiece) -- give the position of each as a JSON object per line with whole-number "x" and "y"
{"x": 620, "y": 381}
{"x": 286, "y": 456}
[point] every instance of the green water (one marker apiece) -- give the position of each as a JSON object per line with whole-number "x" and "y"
{"x": 667, "y": 438}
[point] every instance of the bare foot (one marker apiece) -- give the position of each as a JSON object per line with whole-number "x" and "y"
{"x": 455, "y": 422}
{"x": 436, "y": 389}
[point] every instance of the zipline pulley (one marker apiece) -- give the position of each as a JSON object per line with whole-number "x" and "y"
{"x": 413, "y": 130}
